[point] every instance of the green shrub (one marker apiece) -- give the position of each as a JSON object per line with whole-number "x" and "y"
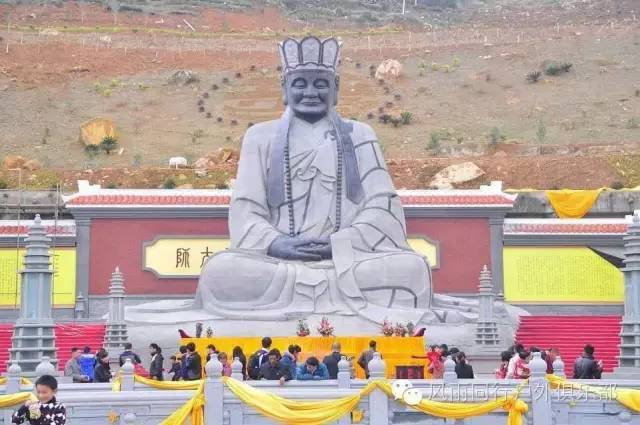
{"x": 534, "y": 76}
{"x": 109, "y": 144}
{"x": 633, "y": 123}
{"x": 92, "y": 150}
{"x": 434, "y": 141}
{"x": 3, "y": 185}
{"x": 169, "y": 183}
{"x": 406, "y": 118}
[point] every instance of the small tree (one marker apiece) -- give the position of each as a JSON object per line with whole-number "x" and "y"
{"x": 495, "y": 136}
{"x": 434, "y": 141}
{"x": 109, "y": 144}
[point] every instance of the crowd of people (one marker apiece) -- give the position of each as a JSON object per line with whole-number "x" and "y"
{"x": 270, "y": 364}
{"x": 266, "y": 363}
{"x": 515, "y": 362}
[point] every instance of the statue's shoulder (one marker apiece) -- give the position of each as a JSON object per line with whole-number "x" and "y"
{"x": 362, "y": 132}
{"x": 261, "y": 133}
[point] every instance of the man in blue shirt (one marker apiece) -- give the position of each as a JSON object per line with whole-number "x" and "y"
{"x": 312, "y": 369}
{"x": 290, "y": 360}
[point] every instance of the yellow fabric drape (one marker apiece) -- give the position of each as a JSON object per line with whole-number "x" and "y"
{"x": 169, "y": 385}
{"x": 23, "y": 381}
{"x": 321, "y": 412}
{"x": 295, "y": 412}
{"x": 191, "y": 409}
{"x": 569, "y": 203}
{"x": 11, "y": 400}
{"x": 511, "y": 404}
{"x": 628, "y": 397}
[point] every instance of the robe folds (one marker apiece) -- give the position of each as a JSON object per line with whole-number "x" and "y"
{"x": 373, "y": 273}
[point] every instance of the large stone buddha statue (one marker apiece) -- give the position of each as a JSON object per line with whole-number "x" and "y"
{"x": 316, "y": 225}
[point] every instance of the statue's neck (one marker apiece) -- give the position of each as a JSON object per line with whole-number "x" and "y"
{"x": 311, "y": 118}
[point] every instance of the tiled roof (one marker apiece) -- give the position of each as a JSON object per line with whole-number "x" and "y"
{"x": 585, "y": 226}
{"x": 13, "y": 228}
{"x": 487, "y": 196}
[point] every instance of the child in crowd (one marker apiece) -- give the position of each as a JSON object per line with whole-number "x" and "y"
{"x": 436, "y": 365}
{"x": 176, "y": 367}
{"x": 46, "y": 410}
{"x": 501, "y": 371}
{"x": 522, "y": 365}
{"x": 226, "y": 367}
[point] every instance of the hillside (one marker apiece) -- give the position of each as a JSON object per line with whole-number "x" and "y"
{"x": 467, "y": 83}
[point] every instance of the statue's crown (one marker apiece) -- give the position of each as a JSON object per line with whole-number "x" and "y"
{"x": 309, "y": 53}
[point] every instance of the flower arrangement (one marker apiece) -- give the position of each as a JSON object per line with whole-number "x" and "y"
{"x": 400, "y": 330}
{"x": 303, "y": 328}
{"x": 209, "y": 332}
{"x": 387, "y": 328}
{"x": 325, "y": 328}
{"x": 411, "y": 328}
{"x": 198, "y": 330}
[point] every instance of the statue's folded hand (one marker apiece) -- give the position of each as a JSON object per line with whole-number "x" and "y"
{"x": 288, "y": 248}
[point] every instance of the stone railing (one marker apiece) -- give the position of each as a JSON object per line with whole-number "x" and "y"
{"x": 90, "y": 404}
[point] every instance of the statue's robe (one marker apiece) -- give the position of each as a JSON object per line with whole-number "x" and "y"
{"x": 373, "y": 273}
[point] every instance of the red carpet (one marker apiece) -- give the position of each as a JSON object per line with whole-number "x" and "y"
{"x": 570, "y": 334}
{"x": 68, "y": 335}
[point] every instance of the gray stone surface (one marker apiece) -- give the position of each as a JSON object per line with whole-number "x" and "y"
{"x": 629, "y": 360}
{"x": 311, "y": 188}
{"x": 116, "y": 330}
{"x": 34, "y": 331}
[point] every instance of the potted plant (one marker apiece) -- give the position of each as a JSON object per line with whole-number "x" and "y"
{"x": 209, "y": 332}
{"x": 303, "y": 328}
{"x": 387, "y": 328}
{"x": 325, "y": 328}
{"x": 400, "y": 330}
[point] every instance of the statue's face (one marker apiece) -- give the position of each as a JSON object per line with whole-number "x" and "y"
{"x": 310, "y": 93}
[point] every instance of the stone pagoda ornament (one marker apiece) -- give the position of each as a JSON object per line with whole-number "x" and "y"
{"x": 34, "y": 332}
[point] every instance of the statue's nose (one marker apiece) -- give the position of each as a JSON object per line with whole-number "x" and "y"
{"x": 310, "y": 92}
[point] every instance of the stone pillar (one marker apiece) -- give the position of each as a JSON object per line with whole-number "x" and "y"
{"x": 81, "y": 308}
{"x": 45, "y": 367}
{"x": 14, "y": 376}
{"x": 450, "y": 374}
{"x": 629, "y": 360}
{"x": 214, "y": 393}
{"x": 487, "y": 329}
{"x": 116, "y": 331}
{"x": 496, "y": 229}
{"x": 236, "y": 369}
{"x": 34, "y": 332}
{"x": 378, "y": 401}
{"x": 83, "y": 256}
{"x": 558, "y": 367}
{"x": 539, "y": 387}
{"x": 344, "y": 382}
{"x": 127, "y": 378}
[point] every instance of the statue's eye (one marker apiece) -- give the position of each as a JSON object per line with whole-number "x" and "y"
{"x": 321, "y": 84}
{"x": 299, "y": 83}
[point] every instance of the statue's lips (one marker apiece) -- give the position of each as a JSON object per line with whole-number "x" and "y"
{"x": 310, "y": 103}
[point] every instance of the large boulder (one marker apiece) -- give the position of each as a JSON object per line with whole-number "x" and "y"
{"x": 183, "y": 77}
{"x": 32, "y": 165}
{"x": 221, "y": 156}
{"x": 92, "y": 132}
{"x": 12, "y": 162}
{"x": 456, "y": 174}
{"x": 389, "y": 68}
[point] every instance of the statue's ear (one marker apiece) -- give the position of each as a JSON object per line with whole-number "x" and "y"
{"x": 336, "y": 91}
{"x": 283, "y": 84}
